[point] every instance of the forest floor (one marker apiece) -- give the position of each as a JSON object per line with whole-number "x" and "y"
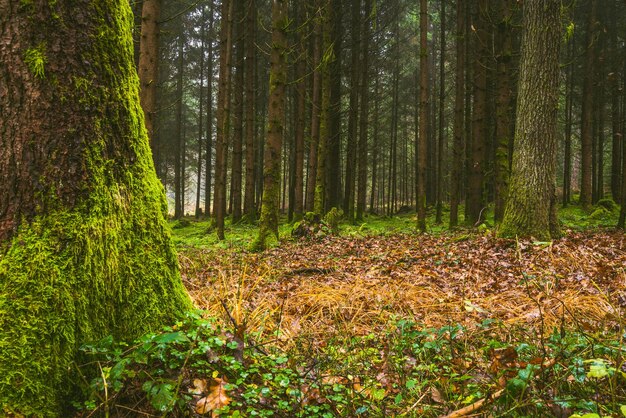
{"x": 498, "y": 304}
{"x": 377, "y": 320}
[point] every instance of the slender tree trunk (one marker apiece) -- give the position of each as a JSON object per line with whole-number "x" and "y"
{"x": 200, "y": 120}
{"x": 149, "y": 64}
{"x": 334, "y": 167}
{"x": 249, "y": 208}
{"x": 475, "y": 198}
{"x": 315, "y": 114}
{"x": 567, "y": 154}
{"x": 423, "y": 121}
{"x": 442, "y": 96}
{"x": 459, "y": 88}
{"x": 223, "y": 117}
{"x": 531, "y": 207}
{"x": 300, "y": 132}
{"x": 503, "y": 108}
{"x": 275, "y": 129}
{"x": 237, "y": 161}
{"x": 322, "y": 152}
{"x": 208, "y": 166}
{"x": 353, "y": 111}
{"x": 617, "y": 134}
{"x": 84, "y": 247}
{"x": 375, "y": 145}
{"x": 364, "y": 118}
{"x": 178, "y": 148}
{"x": 587, "y": 112}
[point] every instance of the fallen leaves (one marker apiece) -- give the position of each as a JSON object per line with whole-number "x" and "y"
{"x": 216, "y": 394}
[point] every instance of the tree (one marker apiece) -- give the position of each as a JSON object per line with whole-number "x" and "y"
{"x": 459, "y": 89}
{"x": 586, "y": 129}
{"x": 149, "y": 63}
{"x": 423, "y": 120}
{"x": 85, "y": 251}
{"x": 531, "y": 208}
{"x": 223, "y": 117}
{"x": 275, "y": 127}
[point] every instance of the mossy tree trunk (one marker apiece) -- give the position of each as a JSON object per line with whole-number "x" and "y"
{"x": 531, "y": 206}
{"x": 268, "y": 225}
{"x": 84, "y": 248}
{"x": 319, "y": 202}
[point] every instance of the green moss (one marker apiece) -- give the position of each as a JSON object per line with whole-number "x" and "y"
{"x": 106, "y": 265}
{"x": 36, "y": 59}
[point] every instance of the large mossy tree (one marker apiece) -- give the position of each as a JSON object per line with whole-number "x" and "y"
{"x": 531, "y": 210}
{"x": 84, "y": 248}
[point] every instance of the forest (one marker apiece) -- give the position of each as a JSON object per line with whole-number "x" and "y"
{"x": 323, "y": 208}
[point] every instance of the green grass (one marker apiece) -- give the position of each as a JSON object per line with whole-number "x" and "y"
{"x": 190, "y": 232}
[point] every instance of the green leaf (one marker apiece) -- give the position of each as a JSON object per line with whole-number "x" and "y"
{"x": 597, "y": 368}
{"x": 171, "y": 337}
{"x": 623, "y": 409}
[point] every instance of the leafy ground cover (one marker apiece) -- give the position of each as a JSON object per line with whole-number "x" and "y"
{"x": 380, "y": 321}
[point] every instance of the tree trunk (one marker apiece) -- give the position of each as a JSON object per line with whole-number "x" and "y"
{"x": 459, "y": 89}
{"x": 617, "y": 137}
{"x": 84, "y": 247}
{"x": 208, "y": 166}
{"x": 149, "y": 64}
{"x": 531, "y": 205}
{"x": 316, "y": 87}
{"x": 268, "y": 225}
{"x": 569, "y": 106}
{"x": 364, "y": 118}
{"x": 300, "y": 128}
{"x": 322, "y": 151}
{"x": 503, "y": 108}
{"x": 237, "y": 161}
{"x": 249, "y": 208}
{"x": 442, "y": 96}
{"x": 179, "y": 155}
{"x": 353, "y": 112}
{"x": 334, "y": 166}
{"x": 223, "y": 117}
{"x": 475, "y": 180}
{"x": 586, "y": 130}
{"x": 200, "y": 118}
{"x": 423, "y": 119}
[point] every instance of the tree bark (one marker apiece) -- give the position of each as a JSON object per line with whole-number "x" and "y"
{"x": 423, "y": 119}
{"x": 149, "y": 64}
{"x": 531, "y": 206}
{"x": 503, "y": 107}
{"x": 249, "y": 208}
{"x": 223, "y": 117}
{"x": 84, "y": 247}
{"x": 237, "y": 161}
{"x": 364, "y": 118}
{"x": 300, "y": 100}
{"x": 459, "y": 94}
{"x": 442, "y": 96}
{"x": 475, "y": 178}
{"x": 268, "y": 225}
{"x": 316, "y": 87}
{"x": 586, "y": 130}
{"x": 208, "y": 165}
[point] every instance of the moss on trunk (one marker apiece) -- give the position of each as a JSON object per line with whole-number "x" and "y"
{"x": 88, "y": 254}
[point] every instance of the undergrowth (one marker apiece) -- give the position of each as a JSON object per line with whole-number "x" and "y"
{"x": 200, "y": 367}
